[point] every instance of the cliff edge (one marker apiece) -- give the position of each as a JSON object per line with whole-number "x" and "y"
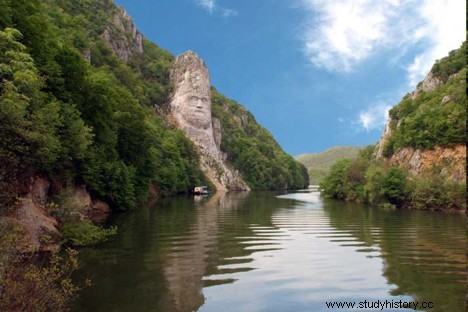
{"x": 191, "y": 107}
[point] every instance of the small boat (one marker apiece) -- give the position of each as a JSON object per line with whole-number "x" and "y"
{"x": 201, "y": 190}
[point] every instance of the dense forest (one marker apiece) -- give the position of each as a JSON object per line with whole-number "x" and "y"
{"x": 253, "y": 151}
{"x": 84, "y": 106}
{"x": 430, "y": 119}
{"x": 74, "y": 112}
{"x": 75, "y": 121}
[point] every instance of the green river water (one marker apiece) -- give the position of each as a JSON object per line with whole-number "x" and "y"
{"x": 266, "y": 251}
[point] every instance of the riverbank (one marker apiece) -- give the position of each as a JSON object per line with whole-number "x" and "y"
{"x": 193, "y": 254}
{"x": 377, "y": 182}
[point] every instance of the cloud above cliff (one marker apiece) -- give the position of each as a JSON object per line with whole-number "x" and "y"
{"x": 341, "y": 34}
{"x": 443, "y": 25}
{"x": 213, "y": 8}
{"x": 375, "y": 116}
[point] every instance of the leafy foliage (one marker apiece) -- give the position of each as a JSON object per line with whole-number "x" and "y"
{"x": 74, "y": 112}
{"x": 369, "y": 180}
{"x": 85, "y": 233}
{"x": 72, "y": 120}
{"x": 434, "y": 117}
{"x": 451, "y": 64}
{"x": 26, "y": 285}
{"x": 334, "y": 184}
{"x": 253, "y": 151}
{"x": 318, "y": 165}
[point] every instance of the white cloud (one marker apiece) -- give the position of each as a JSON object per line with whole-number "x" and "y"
{"x": 444, "y": 23}
{"x": 343, "y": 33}
{"x": 208, "y": 5}
{"x": 228, "y": 12}
{"x": 212, "y": 7}
{"x": 375, "y": 116}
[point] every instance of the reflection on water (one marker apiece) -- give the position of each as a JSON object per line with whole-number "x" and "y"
{"x": 258, "y": 252}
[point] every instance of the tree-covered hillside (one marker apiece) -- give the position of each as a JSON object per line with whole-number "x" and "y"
{"x": 425, "y": 145}
{"x": 318, "y": 165}
{"x": 433, "y": 117}
{"x": 253, "y": 151}
{"x": 78, "y": 121}
{"x": 75, "y": 111}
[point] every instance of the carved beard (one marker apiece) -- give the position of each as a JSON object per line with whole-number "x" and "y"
{"x": 194, "y": 108}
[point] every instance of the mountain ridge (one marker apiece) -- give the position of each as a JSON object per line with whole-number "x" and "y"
{"x": 318, "y": 164}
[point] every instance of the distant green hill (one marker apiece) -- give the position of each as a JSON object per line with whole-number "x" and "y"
{"x": 319, "y": 164}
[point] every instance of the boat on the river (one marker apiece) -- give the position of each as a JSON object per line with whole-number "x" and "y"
{"x": 201, "y": 190}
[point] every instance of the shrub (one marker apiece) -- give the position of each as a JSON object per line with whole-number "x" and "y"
{"x": 436, "y": 194}
{"x": 27, "y": 284}
{"x": 333, "y": 186}
{"x": 85, "y": 233}
{"x": 394, "y": 186}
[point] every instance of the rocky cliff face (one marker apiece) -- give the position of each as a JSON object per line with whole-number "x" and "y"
{"x": 191, "y": 108}
{"x": 379, "y": 147}
{"x": 122, "y": 37}
{"x": 33, "y": 216}
{"x": 428, "y": 84}
{"x": 447, "y": 162}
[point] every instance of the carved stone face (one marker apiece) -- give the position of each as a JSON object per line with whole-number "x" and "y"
{"x": 196, "y": 109}
{"x": 191, "y": 103}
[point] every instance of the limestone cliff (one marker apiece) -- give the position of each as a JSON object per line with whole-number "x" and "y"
{"x": 448, "y": 162}
{"x": 425, "y": 133}
{"x": 122, "y": 36}
{"x": 191, "y": 108}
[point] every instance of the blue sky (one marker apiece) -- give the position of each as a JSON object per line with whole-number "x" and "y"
{"x": 316, "y": 73}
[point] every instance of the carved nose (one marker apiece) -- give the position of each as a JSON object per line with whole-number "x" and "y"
{"x": 199, "y": 103}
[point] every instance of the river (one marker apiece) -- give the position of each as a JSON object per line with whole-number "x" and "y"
{"x": 266, "y": 251}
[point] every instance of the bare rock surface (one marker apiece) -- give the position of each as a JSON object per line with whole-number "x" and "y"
{"x": 429, "y": 83}
{"x": 122, "y": 37}
{"x": 379, "y": 148}
{"x": 39, "y": 227}
{"x": 450, "y": 161}
{"x": 191, "y": 108}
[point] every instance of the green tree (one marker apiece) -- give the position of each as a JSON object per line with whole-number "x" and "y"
{"x": 394, "y": 185}
{"x": 334, "y": 184}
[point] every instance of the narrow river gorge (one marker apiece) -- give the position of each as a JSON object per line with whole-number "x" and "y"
{"x": 266, "y": 251}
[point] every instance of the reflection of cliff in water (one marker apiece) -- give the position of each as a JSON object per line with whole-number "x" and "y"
{"x": 417, "y": 258}
{"x": 212, "y": 246}
{"x": 186, "y": 260}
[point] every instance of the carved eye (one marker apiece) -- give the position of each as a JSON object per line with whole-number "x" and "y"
{"x": 194, "y": 98}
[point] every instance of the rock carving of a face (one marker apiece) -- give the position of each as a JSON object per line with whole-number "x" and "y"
{"x": 191, "y": 103}
{"x": 195, "y": 108}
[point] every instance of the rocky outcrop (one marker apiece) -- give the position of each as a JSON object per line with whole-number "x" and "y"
{"x": 33, "y": 214}
{"x": 122, "y": 37}
{"x": 191, "y": 108}
{"x": 447, "y": 162}
{"x": 379, "y": 148}
{"x": 429, "y": 83}
{"x": 84, "y": 207}
{"x": 39, "y": 229}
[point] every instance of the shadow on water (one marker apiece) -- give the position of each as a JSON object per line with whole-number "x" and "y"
{"x": 256, "y": 252}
